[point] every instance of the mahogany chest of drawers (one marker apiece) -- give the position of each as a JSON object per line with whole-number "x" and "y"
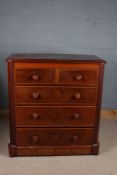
{"x": 54, "y": 104}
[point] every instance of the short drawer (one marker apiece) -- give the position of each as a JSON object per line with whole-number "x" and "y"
{"x": 32, "y": 76}
{"x": 79, "y": 77}
{"x": 55, "y": 95}
{"x": 56, "y": 116}
{"x": 54, "y": 137}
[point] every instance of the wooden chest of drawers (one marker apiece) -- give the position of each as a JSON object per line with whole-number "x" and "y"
{"x": 54, "y": 103}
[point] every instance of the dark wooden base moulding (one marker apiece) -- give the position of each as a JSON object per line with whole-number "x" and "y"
{"x": 53, "y": 151}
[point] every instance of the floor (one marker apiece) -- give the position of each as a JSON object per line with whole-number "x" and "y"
{"x": 103, "y": 164}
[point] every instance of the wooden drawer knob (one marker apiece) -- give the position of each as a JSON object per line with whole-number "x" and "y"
{"x": 35, "y": 116}
{"x": 35, "y": 77}
{"x": 35, "y": 139}
{"x": 78, "y": 77}
{"x": 77, "y": 96}
{"x": 35, "y": 95}
{"x": 75, "y": 138}
{"x": 76, "y": 116}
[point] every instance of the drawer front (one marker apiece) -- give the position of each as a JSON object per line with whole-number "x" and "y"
{"x": 55, "y": 95}
{"x": 55, "y": 116}
{"x": 49, "y": 76}
{"x": 79, "y": 77}
{"x": 32, "y": 76}
{"x": 54, "y": 137}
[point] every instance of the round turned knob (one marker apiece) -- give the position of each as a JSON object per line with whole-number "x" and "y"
{"x": 77, "y": 96}
{"x": 75, "y": 138}
{"x": 76, "y": 116}
{"x": 35, "y": 77}
{"x": 78, "y": 77}
{"x": 35, "y": 95}
{"x": 35, "y": 115}
{"x": 35, "y": 139}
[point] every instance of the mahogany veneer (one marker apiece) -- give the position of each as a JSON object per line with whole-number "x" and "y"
{"x": 54, "y": 104}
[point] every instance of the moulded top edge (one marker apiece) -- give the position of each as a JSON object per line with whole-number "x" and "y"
{"x": 67, "y": 58}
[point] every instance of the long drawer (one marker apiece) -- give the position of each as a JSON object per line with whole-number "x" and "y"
{"x": 54, "y": 137}
{"x": 55, "y": 116}
{"x": 55, "y": 95}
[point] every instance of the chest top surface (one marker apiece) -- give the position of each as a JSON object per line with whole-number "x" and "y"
{"x": 57, "y": 58}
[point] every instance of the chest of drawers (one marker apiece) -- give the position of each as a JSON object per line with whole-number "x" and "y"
{"x": 54, "y": 104}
